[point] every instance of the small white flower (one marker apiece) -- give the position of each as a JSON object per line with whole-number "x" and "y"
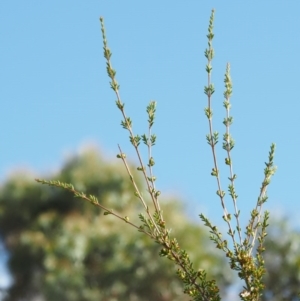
{"x": 244, "y": 294}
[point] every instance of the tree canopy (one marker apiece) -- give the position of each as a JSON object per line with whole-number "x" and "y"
{"x": 63, "y": 248}
{"x": 282, "y": 259}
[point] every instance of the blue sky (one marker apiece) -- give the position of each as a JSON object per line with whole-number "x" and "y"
{"x": 56, "y": 98}
{"x": 55, "y": 95}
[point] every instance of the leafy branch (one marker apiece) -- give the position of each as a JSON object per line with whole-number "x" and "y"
{"x": 242, "y": 258}
{"x": 250, "y": 267}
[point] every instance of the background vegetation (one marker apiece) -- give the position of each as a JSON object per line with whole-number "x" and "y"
{"x": 65, "y": 249}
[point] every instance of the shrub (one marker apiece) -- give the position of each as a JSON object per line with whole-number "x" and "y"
{"x": 243, "y": 248}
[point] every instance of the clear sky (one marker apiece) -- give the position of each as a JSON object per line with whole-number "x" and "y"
{"x": 55, "y": 96}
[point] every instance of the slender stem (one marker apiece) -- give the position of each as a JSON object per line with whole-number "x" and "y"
{"x": 229, "y": 145}
{"x": 151, "y": 170}
{"x": 269, "y": 172}
{"x": 209, "y": 90}
{"x": 137, "y": 190}
{"x": 90, "y": 200}
{"x": 111, "y": 73}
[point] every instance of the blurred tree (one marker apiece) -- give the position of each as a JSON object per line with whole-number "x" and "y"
{"x": 62, "y": 248}
{"x": 282, "y": 258}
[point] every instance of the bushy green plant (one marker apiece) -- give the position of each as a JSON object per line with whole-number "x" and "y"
{"x": 243, "y": 248}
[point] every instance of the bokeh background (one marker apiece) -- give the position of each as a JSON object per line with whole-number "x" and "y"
{"x": 56, "y": 101}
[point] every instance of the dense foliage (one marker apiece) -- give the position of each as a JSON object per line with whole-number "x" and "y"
{"x": 65, "y": 249}
{"x": 282, "y": 258}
